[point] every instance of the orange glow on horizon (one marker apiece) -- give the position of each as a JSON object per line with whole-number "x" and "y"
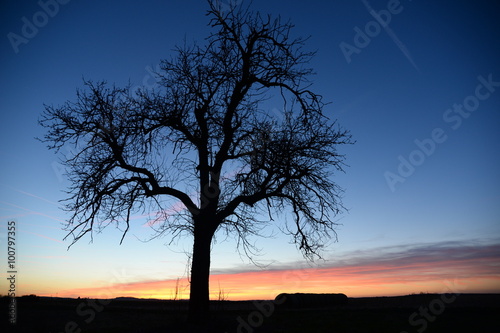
{"x": 354, "y": 281}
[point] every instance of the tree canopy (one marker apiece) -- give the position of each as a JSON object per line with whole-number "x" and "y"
{"x": 206, "y": 140}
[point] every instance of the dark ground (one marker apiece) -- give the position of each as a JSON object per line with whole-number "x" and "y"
{"x": 404, "y": 314}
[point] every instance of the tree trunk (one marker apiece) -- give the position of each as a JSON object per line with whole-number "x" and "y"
{"x": 199, "y": 301}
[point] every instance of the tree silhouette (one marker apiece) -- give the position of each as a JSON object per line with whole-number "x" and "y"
{"x": 204, "y": 140}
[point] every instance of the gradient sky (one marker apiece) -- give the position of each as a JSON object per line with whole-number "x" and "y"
{"x": 431, "y": 74}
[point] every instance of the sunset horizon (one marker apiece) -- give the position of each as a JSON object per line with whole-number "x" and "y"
{"x": 237, "y": 150}
{"x": 431, "y": 268}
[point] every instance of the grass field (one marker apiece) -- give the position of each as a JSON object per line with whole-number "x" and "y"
{"x": 414, "y": 313}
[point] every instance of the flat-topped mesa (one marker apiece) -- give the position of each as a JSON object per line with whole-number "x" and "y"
{"x": 301, "y": 301}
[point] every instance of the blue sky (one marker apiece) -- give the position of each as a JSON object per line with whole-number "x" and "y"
{"x": 403, "y": 83}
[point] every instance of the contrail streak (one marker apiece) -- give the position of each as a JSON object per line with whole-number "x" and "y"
{"x": 391, "y": 34}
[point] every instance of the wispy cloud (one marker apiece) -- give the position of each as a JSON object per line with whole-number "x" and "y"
{"x": 401, "y": 255}
{"x": 37, "y": 197}
{"x": 43, "y": 236}
{"x": 28, "y": 212}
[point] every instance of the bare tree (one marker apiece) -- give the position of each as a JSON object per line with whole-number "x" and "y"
{"x": 206, "y": 131}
